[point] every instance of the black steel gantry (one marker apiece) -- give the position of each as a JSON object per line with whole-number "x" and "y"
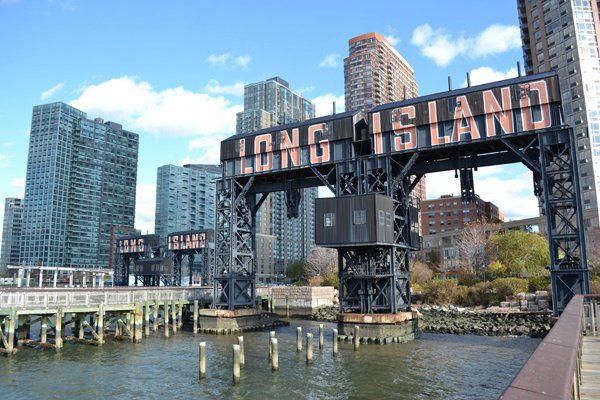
{"x": 387, "y": 151}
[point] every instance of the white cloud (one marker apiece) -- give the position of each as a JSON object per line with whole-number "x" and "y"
{"x": 306, "y": 90}
{"x": 442, "y": 47}
{"x": 4, "y": 162}
{"x": 324, "y": 104}
{"x": 214, "y": 87}
{"x": 483, "y": 75}
{"x": 331, "y": 61}
{"x": 229, "y": 60}
{"x": 52, "y": 91}
{"x": 513, "y": 193}
{"x": 18, "y": 184}
{"x": 145, "y": 199}
{"x": 393, "y": 39}
{"x": 170, "y": 112}
{"x": 209, "y": 147}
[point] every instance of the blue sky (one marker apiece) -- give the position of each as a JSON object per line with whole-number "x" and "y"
{"x": 174, "y": 71}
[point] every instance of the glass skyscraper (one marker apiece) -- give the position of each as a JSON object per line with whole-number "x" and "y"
{"x": 563, "y": 35}
{"x": 185, "y": 198}
{"x": 11, "y": 232}
{"x": 280, "y": 240}
{"x": 80, "y": 187}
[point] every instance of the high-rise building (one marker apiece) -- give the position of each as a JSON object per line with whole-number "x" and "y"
{"x": 564, "y": 36}
{"x": 185, "y": 198}
{"x": 80, "y": 187}
{"x": 11, "y": 233}
{"x": 375, "y": 73}
{"x": 266, "y": 104}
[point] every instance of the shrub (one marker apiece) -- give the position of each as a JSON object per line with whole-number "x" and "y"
{"x": 332, "y": 279}
{"x": 595, "y": 286}
{"x": 539, "y": 283}
{"x": 440, "y": 291}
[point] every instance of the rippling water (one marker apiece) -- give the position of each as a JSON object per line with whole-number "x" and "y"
{"x": 433, "y": 367}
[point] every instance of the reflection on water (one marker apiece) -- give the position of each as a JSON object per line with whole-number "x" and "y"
{"x": 433, "y": 367}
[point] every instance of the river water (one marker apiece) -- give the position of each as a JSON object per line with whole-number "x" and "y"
{"x": 432, "y": 367}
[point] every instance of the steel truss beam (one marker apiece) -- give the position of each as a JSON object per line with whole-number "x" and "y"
{"x": 376, "y": 279}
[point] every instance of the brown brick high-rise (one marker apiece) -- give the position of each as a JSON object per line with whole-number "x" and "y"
{"x": 375, "y": 73}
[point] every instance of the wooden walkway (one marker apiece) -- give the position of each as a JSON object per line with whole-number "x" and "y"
{"x": 590, "y": 368}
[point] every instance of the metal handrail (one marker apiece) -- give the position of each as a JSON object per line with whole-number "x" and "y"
{"x": 554, "y": 369}
{"x": 61, "y": 297}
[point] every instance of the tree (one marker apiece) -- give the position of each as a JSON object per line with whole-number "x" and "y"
{"x": 420, "y": 273}
{"x": 323, "y": 262}
{"x": 433, "y": 260}
{"x": 296, "y": 271}
{"x": 593, "y": 251}
{"x": 521, "y": 254}
{"x": 472, "y": 245}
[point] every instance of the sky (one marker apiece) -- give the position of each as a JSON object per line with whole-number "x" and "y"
{"x": 174, "y": 71}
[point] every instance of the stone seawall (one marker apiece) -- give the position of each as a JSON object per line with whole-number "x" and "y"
{"x": 301, "y": 300}
{"x": 462, "y": 321}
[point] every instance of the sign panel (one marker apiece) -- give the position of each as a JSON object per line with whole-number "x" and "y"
{"x": 192, "y": 240}
{"x": 457, "y": 117}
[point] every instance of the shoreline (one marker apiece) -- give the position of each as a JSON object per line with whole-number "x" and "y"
{"x": 467, "y": 321}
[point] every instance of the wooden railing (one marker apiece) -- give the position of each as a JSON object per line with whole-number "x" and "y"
{"x": 554, "y": 369}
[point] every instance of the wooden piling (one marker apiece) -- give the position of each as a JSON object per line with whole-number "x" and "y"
{"x": 147, "y": 318}
{"x": 81, "y": 331}
{"x": 309, "y": 348}
{"x": 271, "y": 336}
{"x": 11, "y": 332}
{"x": 174, "y": 316}
{"x": 100, "y": 324}
{"x": 166, "y": 318}
{"x": 335, "y": 342}
{"x": 180, "y": 309}
{"x": 195, "y": 328}
{"x": 23, "y": 329}
{"x": 287, "y": 306}
{"x": 321, "y": 337}
{"x": 242, "y": 357}
{"x": 236, "y": 364}
{"x": 137, "y": 317}
{"x": 58, "y": 340}
{"x": 44, "y": 329}
{"x": 202, "y": 366}
{"x": 275, "y": 358}
{"x": 299, "y": 339}
{"x": 356, "y": 338}
{"x": 155, "y": 316}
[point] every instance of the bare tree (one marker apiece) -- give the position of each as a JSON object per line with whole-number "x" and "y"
{"x": 593, "y": 250}
{"x": 472, "y": 245}
{"x": 322, "y": 262}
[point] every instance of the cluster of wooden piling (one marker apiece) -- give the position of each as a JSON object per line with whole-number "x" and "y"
{"x": 89, "y": 325}
{"x": 238, "y": 357}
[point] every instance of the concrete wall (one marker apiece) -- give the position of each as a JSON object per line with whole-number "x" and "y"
{"x": 303, "y": 300}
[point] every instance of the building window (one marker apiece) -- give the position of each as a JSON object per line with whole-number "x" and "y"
{"x": 360, "y": 217}
{"x": 329, "y": 219}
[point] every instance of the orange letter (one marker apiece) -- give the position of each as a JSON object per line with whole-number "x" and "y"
{"x": 377, "y": 137}
{"x": 258, "y": 164}
{"x": 433, "y": 126}
{"x": 243, "y": 168}
{"x": 463, "y": 110}
{"x": 400, "y": 130}
{"x": 290, "y": 148}
{"x": 526, "y": 113}
{"x": 493, "y": 111}
{"x": 312, "y": 132}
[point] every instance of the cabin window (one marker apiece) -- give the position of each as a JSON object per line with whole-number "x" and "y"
{"x": 360, "y": 217}
{"x": 329, "y": 220}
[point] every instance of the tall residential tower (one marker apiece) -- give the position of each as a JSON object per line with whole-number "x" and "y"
{"x": 11, "y": 233}
{"x": 280, "y": 240}
{"x": 563, "y": 35}
{"x": 80, "y": 187}
{"x": 185, "y": 198}
{"x": 375, "y": 73}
